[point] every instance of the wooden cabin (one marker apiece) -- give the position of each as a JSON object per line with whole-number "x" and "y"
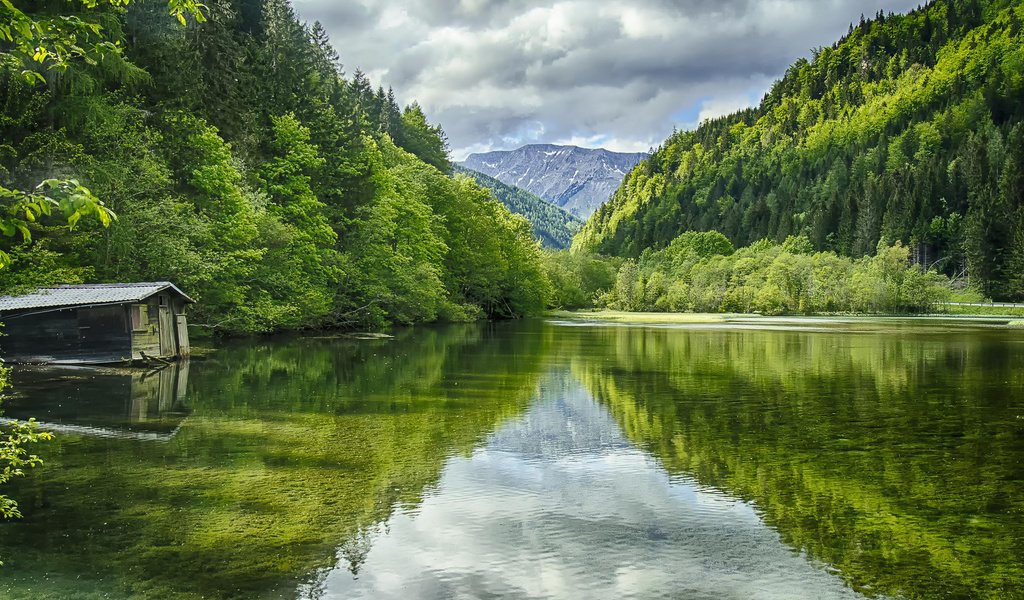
{"x": 104, "y": 323}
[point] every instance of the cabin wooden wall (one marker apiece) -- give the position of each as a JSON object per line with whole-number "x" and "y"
{"x": 146, "y": 334}
{"x": 180, "y": 327}
{"x": 160, "y": 334}
{"x": 181, "y": 324}
{"x": 73, "y": 335}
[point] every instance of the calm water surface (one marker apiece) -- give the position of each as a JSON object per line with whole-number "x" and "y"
{"x": 773, "y": 459}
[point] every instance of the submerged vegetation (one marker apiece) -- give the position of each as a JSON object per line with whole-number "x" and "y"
{"x": 291, "y": 449}
{"x": 886, "y": 452}
{"x": 245, "y": 165}
{"x": 15, "y": 459}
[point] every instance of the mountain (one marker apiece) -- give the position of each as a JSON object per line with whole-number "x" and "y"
{"x": 551, "y": 225}
{"x": 908, "y": 129}
{"x": 578, "y": 180}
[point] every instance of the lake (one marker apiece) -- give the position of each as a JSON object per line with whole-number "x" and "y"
{"x": 772, "y": 458}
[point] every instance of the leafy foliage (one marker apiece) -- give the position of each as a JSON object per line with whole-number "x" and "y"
{"x": 701, "y": 272}
{"x": 909, "y": 129}
{"x": 578, "y": 279}
{"x": 24, "y": 208}
{"x": 244, "y": 165}
{"x": 15, "y": 437}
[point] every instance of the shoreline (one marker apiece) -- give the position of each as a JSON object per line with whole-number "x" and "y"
{"x": 669, "y": 318}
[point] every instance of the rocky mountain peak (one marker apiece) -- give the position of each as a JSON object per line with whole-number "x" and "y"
{"x": 576, "y": 179}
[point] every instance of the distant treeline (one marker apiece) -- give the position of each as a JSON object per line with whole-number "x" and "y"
{"x": 909, "y": 129}
{"x": 702, "y": 272}
{"x": 246, "y": 167}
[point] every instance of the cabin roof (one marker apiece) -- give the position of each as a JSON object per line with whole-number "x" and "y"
{"x": 88, "y": 294}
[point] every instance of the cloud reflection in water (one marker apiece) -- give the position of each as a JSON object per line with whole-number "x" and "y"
{"x": 558, "y": 504}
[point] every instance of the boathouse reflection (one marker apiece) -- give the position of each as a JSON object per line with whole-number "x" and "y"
{"x": 111, "y": 402}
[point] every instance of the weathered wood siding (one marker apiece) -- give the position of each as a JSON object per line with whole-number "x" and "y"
{"x": 158, "y": 334}
{"x": 167, "y": 332}
{"x": 181, "y": 323}
{"x": 86, "y": 335}
{"x": 146, "y": 334}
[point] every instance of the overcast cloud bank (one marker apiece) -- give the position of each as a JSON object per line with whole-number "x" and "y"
{"x": 619, "y": 75}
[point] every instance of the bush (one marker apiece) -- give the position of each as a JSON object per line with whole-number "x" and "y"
{"x": 701, "y": 273}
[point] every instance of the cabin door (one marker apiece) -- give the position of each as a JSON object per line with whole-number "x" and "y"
{"x": 167, "y": 346}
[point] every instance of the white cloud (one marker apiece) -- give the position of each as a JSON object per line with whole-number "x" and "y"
{"x": 489, "y": 71}
{"x": 559, "y": 504}
{"x": 639, "y": 23}
{"x": 723, "y": 105}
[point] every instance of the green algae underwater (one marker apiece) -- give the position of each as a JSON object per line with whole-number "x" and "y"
{"x": 876, "y": 458}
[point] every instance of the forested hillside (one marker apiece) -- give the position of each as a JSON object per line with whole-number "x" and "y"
{"x": 909, "y": 129}
{"x": 551, "y": 225}
{"x": 244, "y": 165}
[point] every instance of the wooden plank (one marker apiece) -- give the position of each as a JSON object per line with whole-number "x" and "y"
{"x": 166, "y": 328}
{"x": 146, "y": 340}
{"x": 182, "y": 330}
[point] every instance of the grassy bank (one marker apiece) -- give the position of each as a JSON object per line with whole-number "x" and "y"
{"x": 672, "y": 318}
{"x": 618, "y": 316}
{"x": 980, "y": 310}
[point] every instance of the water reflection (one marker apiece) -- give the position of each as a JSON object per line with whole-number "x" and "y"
{"x": 558, "y": 504}
{"x": 293, "y": 447}
{"x": 110, "y": 402}
{"x": 893, "y": 454}
{"x": 809, "y": 459}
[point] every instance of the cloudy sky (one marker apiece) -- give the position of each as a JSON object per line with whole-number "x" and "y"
{"x": 497, "y": 74}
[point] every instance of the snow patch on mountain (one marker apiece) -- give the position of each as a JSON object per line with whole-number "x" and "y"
{"x": 577, "y": 179}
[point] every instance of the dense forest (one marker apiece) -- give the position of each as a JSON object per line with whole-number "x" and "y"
{"x": 907, "y": 130}
{"x": 243, "y": 164}
{"x": 553, "y": 226}
{"x": 704, "y": 272}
